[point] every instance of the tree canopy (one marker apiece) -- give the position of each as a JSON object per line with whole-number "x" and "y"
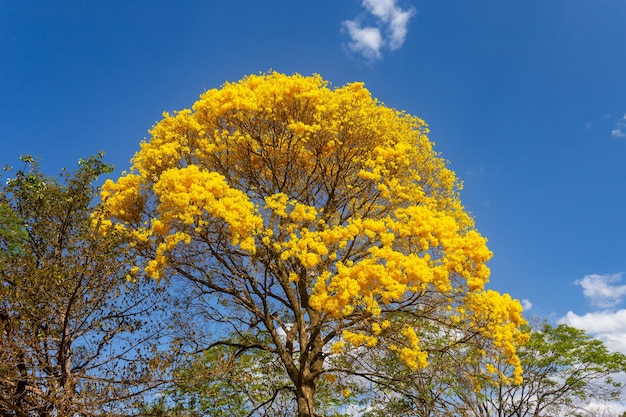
{"x": 320, "y": 223}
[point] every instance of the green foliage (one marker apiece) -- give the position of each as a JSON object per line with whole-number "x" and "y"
{"x": 74, "y": 337}
{"x": 239, "y": 377}
{"x": 564, "y": 370}
{"x": 12, "y": 232}
{"x": 229, "y": 381}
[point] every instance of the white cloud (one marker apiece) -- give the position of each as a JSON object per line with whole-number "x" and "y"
{"x": 607, "y": 325}
{"x": 601, "y": 292}
{"x": 620, "y": 128}
{"x": 606, "y": 409}
{"x": 526, "y": 304}
{"x": 599, "y": 322}
{"x": 610, "y": 327}
{"x": 393, "y": 16}
{"x": 390, "y": 31}
{"x": 367, "y": 41}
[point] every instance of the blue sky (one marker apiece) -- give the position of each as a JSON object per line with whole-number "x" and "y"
{"x": 526, "y": 99}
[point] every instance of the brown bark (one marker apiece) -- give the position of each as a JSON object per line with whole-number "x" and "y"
{"x": 305, "y": 393}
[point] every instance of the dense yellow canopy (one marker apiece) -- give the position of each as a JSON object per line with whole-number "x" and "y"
{"x": 338, "y": 198}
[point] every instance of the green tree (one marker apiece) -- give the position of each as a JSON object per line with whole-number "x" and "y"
{"x": 317, "y": 219}
{"x": 565, "y": 371}
{"x": 75, "y": 335}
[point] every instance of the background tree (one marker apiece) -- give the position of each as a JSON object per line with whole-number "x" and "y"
{"x": 75, "y": 335}
{"x": 565, "y": 371}
{"x": 318, "y": 220}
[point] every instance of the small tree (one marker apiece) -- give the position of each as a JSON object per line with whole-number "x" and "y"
{"x": 75, "y": 336}
{"x": 318, "y": 220}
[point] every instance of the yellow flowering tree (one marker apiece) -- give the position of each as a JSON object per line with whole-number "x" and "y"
{"x": 317, "y": 217}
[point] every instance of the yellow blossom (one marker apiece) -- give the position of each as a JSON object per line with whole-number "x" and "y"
{"x": 337, "y": 347}
{"x": 339, "y": 203}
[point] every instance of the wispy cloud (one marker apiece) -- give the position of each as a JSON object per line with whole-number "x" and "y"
{"x": 389, "y": 32}
{"x": 620, "y": 128}
{"x": 601, "y": 290}
{"x": 526, "y": 304}
{"x": 471, "y": 172}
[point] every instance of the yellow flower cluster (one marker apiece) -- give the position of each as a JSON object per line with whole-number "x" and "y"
{"x": 284, "y": 170}
{"x": 188, "y": 195}
{"x": 359, "y": 339}
{"x": 499, "y": 318}
{"x": 415, "y": 247}
{"x": 412, "y": 355}
{"x": 124, "y": 198}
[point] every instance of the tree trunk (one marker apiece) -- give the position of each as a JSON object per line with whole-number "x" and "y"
{"x": 305, "y": 394}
